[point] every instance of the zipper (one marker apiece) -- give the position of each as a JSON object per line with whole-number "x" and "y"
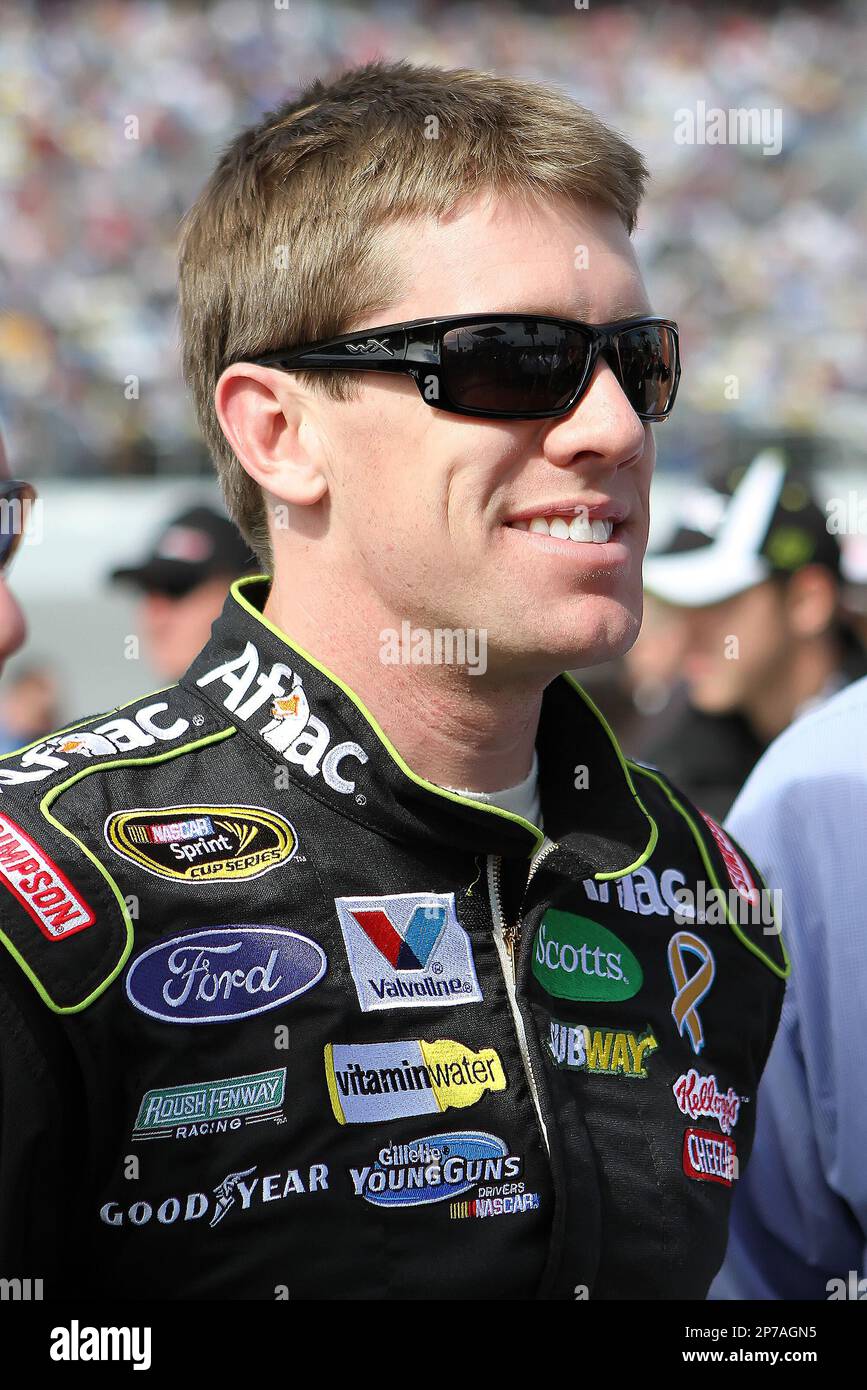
{"x": 506, "y": 940}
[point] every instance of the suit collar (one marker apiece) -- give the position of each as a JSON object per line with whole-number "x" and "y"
{"x": 308, "y": 724}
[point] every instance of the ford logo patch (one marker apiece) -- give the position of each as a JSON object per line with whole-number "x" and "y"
{"x": 224, "y": 973}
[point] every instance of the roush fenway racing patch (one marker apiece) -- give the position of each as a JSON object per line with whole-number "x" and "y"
{"x": 41, "y": 888}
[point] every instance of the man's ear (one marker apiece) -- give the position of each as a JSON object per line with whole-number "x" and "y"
{"x": 812, "y": 597}
{"x": 261, "y": 416}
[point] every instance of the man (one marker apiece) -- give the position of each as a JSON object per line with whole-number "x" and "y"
{"x": 16, "y": 499}
{"x": 28, "y": 706}
{"x": 401, "y": 1017}
{"x": 753, "y": 576}
{"x": 183, "y": 583}
{"x": 799, "y": 1229}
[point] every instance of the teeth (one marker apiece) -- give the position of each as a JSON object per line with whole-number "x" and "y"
{"x": 578, "y": 529}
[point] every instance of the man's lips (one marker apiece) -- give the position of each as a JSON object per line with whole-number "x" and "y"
{"x": 605, "y": 509}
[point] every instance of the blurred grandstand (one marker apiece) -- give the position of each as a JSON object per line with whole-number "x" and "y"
{"x": 112, "y": 112}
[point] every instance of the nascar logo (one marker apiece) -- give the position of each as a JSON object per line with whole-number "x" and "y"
{"x": 39, "y": 885}
{"x": 202, "y": 843}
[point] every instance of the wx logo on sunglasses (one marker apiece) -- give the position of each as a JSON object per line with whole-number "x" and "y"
{"x": 371, "y": 345}
{"x": 407, "y": 951}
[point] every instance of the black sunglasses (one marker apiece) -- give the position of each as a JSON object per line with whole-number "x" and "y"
{"x": 16, "y": 499}
{"x": 507, "y": 366}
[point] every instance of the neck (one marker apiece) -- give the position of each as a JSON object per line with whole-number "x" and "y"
{"x": 452, "y": 727}
{"x": 811, "y": 665}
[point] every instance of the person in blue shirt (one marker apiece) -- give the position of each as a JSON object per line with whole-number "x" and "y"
{"x": 799, "y": 1227}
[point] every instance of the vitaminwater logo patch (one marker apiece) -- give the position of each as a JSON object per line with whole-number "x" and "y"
{"x": 372, "y": 1082}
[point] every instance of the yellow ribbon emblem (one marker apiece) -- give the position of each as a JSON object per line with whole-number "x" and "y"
{"x": 690, "y": 989}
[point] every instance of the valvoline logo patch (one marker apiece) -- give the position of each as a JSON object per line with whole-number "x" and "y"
{"x": 407, "y": 951}
{"x": 433, "y": 1169}
{"x": 221, "y": 974}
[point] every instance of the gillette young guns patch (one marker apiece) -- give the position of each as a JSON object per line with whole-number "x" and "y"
{"x": 408, "y": 951}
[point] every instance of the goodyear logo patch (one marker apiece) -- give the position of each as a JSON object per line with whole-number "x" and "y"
{"x": 201, "y": 844}
{"x": 601, "y": 1051}
{"x": 371, "y": 1082}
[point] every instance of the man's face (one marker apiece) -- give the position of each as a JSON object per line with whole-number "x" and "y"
{"x": 13, "y": 628}
{"x": 420, "y": 500}
{"x": 736, "y": 648}
{"x": 174, "y": 630}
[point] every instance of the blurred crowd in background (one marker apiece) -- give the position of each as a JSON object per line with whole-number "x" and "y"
{"x": 111, "y": 113}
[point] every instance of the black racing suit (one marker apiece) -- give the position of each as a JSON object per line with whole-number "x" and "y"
{"x": 281, "y": 1019}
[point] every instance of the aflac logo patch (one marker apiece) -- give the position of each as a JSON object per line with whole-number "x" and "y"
{"x": 408, "y": 951}
{"x": 224, "y": 973}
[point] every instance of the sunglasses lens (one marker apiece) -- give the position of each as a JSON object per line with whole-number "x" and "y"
{"x": 648, "y": 368}
{"x": 517, "y": 367}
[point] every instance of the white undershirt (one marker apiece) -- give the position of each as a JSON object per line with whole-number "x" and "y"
{"x": 522, "y": 800}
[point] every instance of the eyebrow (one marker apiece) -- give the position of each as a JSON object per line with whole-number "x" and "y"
{"x": 546, "y": 311}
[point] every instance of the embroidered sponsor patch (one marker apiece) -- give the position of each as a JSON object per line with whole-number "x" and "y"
{"x": 504, "y": 1203}
{"x": 289, "y": 727}
{"x": 241, "y": 1190}
{"x": 739, "y": 873}
{"x": 371, "y": 1082}
{"x": 408, "y": 951}
{"x": 709, "y": 1157}
{"x": 210, "y": 1107}
{"x": 221, "y": 974}
{"x": 700, "y": 1097}
{"x": 120, "y": 735}
{"x": 434, "y": 1169}
{"x": 683, "y": 949}
{"x": 600, "y": 1051}
{"x": 40, "y": 886}
{"x": 577, "y": 958}
{"x": 202, "y": 844}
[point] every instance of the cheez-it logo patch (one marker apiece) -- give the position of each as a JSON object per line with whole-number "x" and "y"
{"x": 39, "y": 885}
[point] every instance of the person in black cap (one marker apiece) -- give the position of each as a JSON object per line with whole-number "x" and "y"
{"x": 752, "y": 576}
{"x": 184, "y": 582}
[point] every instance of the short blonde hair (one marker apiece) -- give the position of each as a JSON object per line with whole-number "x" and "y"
{"x": 282, "y": 246}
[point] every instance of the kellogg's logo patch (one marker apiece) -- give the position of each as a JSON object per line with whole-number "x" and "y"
{"x": 201, "y": 844}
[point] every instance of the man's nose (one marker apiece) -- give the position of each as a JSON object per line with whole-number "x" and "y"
{"x": 602, "y": 422}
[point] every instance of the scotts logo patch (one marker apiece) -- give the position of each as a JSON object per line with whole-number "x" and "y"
{"x": 39, "y": 885}
{"x": 408, "y": 951}
{"x": 739, "y": 873}
{"x": 709, "y": 1157}
{"x": 279, "y": 700}
{"x": 577, "y": 958}
{"x": 601, "y": 1051}
{"x": 224, "y": 973}
{"x": 199, "y": 844}
{"x": 121, "y": 735}
{"x": 371, "y": 1082}
{"x": 433, "y": 1169}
